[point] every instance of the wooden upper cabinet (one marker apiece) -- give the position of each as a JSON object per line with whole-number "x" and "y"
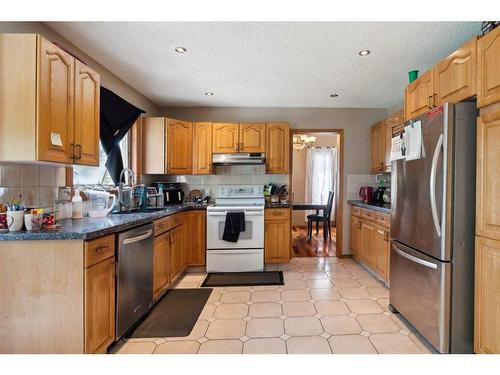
{"x": 202, "y": 148}
{"x": 87, "y": 115}
{"x": 153, "y": 145}
{"x": 252, "y": 137}
{"x": 487, "y": 296}
{"x": 377, "y": 135}
{"x": 419, "y": 95}
{"x": 455, "y": 76}
{"x": 56, "y": 85}
{"x": 488, "y": 68}
{"x": 225, "y": 138}
{"x": 277, "y": 147}
{"x": 488, "y": 173}
{"x": 179, "y": 147}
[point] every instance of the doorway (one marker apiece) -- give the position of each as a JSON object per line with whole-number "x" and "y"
{"x": 316, "y": 165}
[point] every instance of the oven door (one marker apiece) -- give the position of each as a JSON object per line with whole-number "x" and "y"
{"x": 251, "y": 238}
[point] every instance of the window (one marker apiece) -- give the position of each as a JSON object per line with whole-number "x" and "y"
{"x": 83, "y": 175}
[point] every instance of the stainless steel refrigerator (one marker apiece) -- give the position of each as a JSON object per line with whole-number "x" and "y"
{"x": 432, "y": 230}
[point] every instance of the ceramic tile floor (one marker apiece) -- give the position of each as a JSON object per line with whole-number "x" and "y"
{"x": 327, "y": 305}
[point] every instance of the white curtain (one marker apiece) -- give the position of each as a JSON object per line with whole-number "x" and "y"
{"x": 321, "y": 176}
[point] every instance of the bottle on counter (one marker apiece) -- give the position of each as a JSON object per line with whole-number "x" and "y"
{"x": 77, "y": 202}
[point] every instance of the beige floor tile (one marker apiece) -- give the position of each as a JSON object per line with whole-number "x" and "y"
{"x": 266, "y": 287}
{"x": 341, "y": 325}
{"x": 295, "y": 295}
{"x": 188, "y": 285}
{"x": 235, "y": 297}
{"x": 364, "y": 306}
{"x": 354, "y": 293}
{"x": 298, "y": 309}
{"x": 338, "y": 274}
{"x": 214, "y": 296}
{"x": 330, "y": 260}
{"x": 368, "y": 281}
{"x": 333, "y": 267}
{"x": 324, "y": 294}
{"x": 221, "y": 347}
{"x": 294, "y": 284}
{"x": 331, "y": 308}
{"x": 377, "y": 323}
{"x": 319, "y": 284}
{"x": 384, "y": 303}
{"x": 345, "y": 282}
{"x": 226, "y": 329}
{"x": 314, "y": 275}
{"x": 291, "y": 275}
{"x": 265, "y": 327}
{"x": 266, "y": 296}
{"x": 231, "y": 311}
{"x": 303, "y": 326}
{"x": 264, "y": 346}
{"x": 399, "y": 321}
{"x": 265, "y": 310}
{"x": 136, "y": 348}
{"x": 199, "y": 330}
{"x": 393, "y": 343}
{"x": 353, "y": 267}
{"x": 360, "y": 274}
{"x": 310, "y": 267}
{"x": 178, "y": 347}
{"x": 207, "y": 312}
{"x": 378, "y": 291}
{"x": 309, "y": 260}
{"x": 237, "y": 288}
{"x": 424, "y": 348}
{"x": 196, "y": 277}
{"x": 351, "y": 344}
{"x": 308, "y": 345}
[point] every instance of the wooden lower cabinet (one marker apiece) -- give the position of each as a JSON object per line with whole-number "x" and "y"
{"x": 100, "y": 300}
{"x": 177, "y": 252}
{"x": 355, "y": 235}
{"x": 195, "y": 223}
{"x": 161, "y": 264}
{"x": 277, "y": 232}
{"x": 487, "y": 296}
{"x": 381, "y": 250}
{"x": 366, "y": 242}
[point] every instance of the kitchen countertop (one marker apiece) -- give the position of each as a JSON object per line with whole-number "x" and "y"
{"x": 376, "y": 206}
{"x": 88, "y": 228}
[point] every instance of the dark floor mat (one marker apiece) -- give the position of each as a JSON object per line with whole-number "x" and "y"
{"x": 243, "y": 279}
{"x": 174, "y": 315}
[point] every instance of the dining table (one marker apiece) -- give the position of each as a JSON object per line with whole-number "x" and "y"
{"x": 297, "y": 206}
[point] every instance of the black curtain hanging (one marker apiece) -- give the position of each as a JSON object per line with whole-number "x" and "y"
{"x": 117, "y": 117}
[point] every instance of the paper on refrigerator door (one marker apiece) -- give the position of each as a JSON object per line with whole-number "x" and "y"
{"x": 413, "y": 135}
{"x": 397, "y": 147}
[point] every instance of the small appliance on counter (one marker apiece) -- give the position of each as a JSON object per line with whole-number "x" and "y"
{"x": 386, "y": 197}
{"x": 378, "y": 195}
{"x": 366, "y": 193}
{"x": 99, "y": 204}
{"x": 154, "y": 199}
{"x": 172, "y": 191}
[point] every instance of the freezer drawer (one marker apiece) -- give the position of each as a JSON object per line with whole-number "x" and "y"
{"x": 420, "y": 291}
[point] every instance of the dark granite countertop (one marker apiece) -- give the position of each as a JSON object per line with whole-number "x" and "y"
{"x": 376, "y": 206}
{"x": 88, "y": 228}
{"x": 277, "y": 205}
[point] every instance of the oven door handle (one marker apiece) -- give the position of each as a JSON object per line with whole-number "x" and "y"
{"x": 223, "y": 213}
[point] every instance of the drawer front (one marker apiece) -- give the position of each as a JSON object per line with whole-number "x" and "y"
{"x": 383, "y": 219}
{"x": 99, "y": 249}
{"x": 368, "y": 214}
{"x": 356, "y": 211}
{"x": 277, "y": 213}
{"x": 167, "y": 223}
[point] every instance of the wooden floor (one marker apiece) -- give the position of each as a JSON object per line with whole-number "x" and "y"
{"x": 317, "y": 247}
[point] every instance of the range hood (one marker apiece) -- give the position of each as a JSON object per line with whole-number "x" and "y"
{"x": 242, "y": 158}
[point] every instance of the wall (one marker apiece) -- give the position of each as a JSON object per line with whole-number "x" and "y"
{"x": 355, "y": 122}
{"x": 300, "y": 169}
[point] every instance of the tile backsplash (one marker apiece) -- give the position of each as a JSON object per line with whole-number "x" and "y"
{"x": 37, "y": 183}
{"x": 224, "y": 175}
{"x": 356, "y": 181}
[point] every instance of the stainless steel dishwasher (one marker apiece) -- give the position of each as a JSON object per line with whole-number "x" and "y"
{"x": 134, "y": 293}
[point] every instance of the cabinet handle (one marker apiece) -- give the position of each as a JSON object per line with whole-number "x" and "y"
{"x": 73, "y": 156}
{"x": 100, "y": 249}
{"x": 79, "y": 151}
{"x": 429, "y": 102}
{"x": 386, "y": 236}
{"x": 435, "y": 100}
{"x": 360, "y": 225}
{"x": 112, "y": 265}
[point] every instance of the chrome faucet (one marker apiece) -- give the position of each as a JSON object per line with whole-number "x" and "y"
{"x": 126, "y": 192}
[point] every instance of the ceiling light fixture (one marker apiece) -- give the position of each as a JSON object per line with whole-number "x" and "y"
{"x": 333, "y": 95}
{"x": 365, "y": 52}
{"x": 180, "y": 50}
{"x": 209, "y": 94}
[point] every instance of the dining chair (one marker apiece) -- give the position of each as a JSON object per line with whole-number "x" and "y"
{"x": 318, "y": 218}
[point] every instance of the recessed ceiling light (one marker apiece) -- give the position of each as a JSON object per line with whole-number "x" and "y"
{"x": 334, "y": 95}
{"x": 209, "y": 94}
{"x": 180, "y": 50}
{"x": 365, "y": 52}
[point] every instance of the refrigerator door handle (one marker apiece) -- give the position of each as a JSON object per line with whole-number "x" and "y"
{"x": 415, "y": 259}
{"x": 432, "y": 183}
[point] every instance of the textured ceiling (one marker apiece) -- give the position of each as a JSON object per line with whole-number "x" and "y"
{"x": 276, "y": 64}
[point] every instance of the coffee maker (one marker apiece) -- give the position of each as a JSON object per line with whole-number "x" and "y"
{"x": 378, "y": 195}
{"x": 172, "y": 191}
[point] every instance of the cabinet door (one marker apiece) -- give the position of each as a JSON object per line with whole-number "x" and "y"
{"x": 195, "y": 224}
{"x": 87, "y": 115}
{"x": 488, "y": 173}
{"x": 381, "y": 248}
{"x": 455, "y": 76}
{"x": 487, "y": 296}
{"x": 393, "y": 124}
{"x": 277, "y": 148}
{"x": 100, "y": 306}
{"x": 177, "y": 253}
{"x": 179, "y": 147}
{"x": 419, "y": 96}
{"x": 153, "y": 145}
{"x": 355, "y": 230}
{"x": 366, "y": 242}
{"x": 252, "y": 137}
{"x": 202, "y": 148}
{"x": 56, "y": 87}
{"x": 488, "y": 66}
{"x": 161, "y": 264}
{"x": 225, "y": 138}
{"x": 277, "y": 241}
{"x": 377, "y": 147}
